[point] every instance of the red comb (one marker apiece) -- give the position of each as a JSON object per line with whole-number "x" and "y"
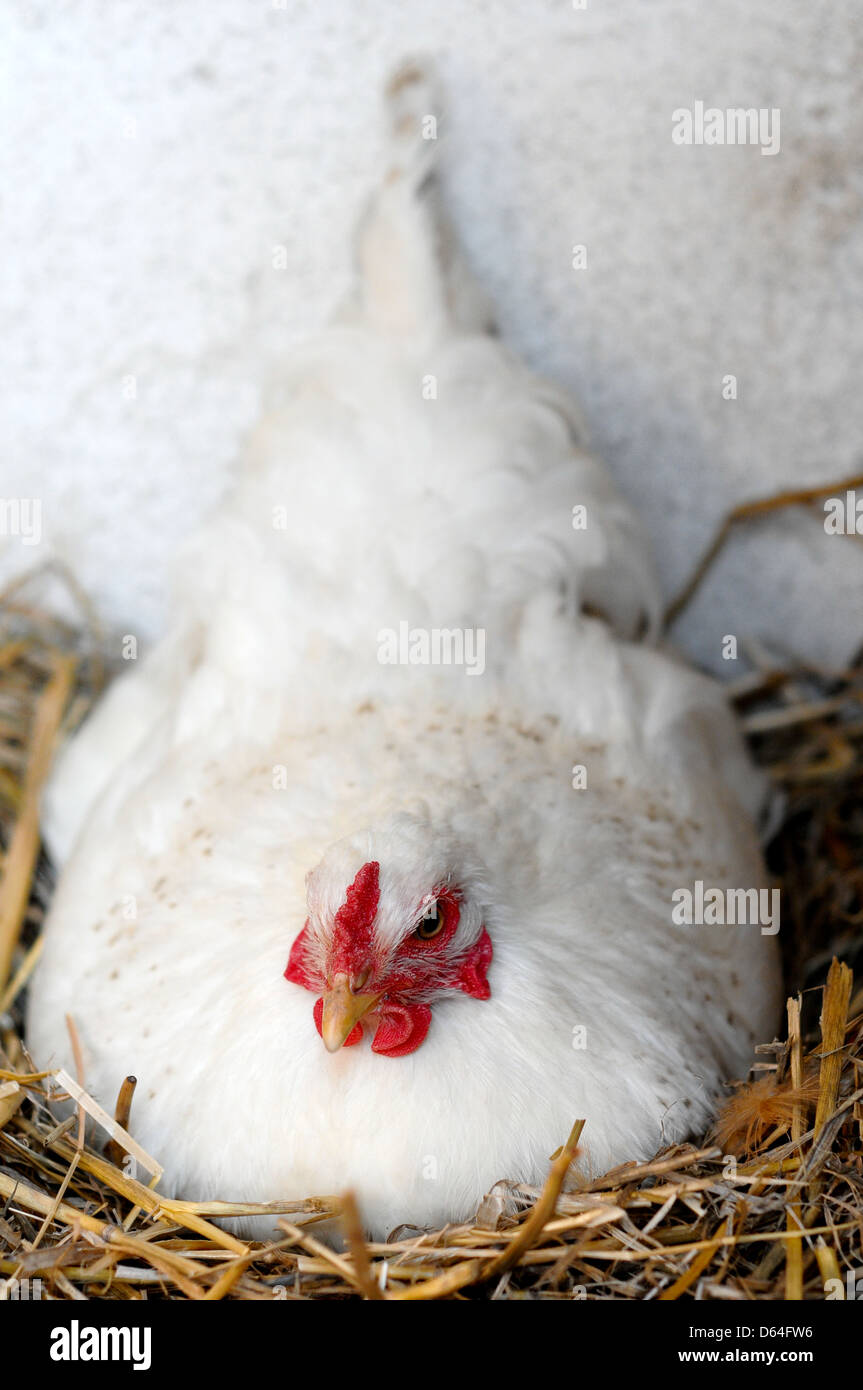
{"x": 354, "y": 922}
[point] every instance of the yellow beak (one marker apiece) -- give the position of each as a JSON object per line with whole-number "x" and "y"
{"x": 342, "y": 1011}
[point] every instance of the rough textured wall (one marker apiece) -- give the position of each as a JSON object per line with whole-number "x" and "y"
{"x": 154, "y": 154}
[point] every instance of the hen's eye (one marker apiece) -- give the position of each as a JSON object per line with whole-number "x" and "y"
{"x": 431, "y": 925}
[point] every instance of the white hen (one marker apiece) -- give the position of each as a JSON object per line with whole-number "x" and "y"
{"x": 491, "y": 939}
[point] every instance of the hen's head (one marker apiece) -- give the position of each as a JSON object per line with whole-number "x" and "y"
{"x": 385, "y": 938}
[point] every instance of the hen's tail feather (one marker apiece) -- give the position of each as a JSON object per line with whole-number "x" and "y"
{"x": 413, "y": 279}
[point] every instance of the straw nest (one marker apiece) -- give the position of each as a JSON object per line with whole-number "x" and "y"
{"x": 768, "y": 1205}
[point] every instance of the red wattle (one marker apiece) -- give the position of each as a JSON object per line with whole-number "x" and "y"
{"x": 401, "y": 1030}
